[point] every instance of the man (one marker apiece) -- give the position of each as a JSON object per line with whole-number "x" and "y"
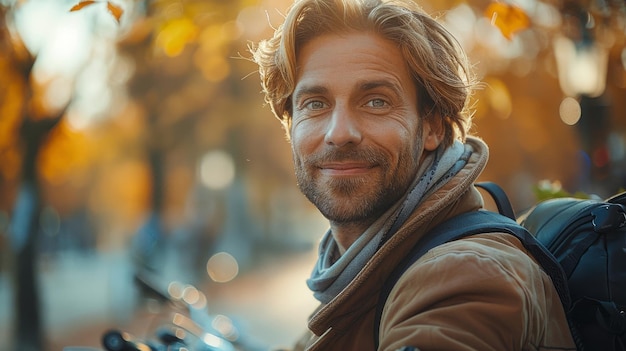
{"x": 374, "y": 98}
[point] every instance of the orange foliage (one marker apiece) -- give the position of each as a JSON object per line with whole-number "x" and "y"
{"x": 67, "y": 156}
{"x": 509, "y": 18}
{"x": 82, "y": 5}
{"x": 115, "y": 10}
{"x": 175, "y": 35}
{"x": 12, "y": 98}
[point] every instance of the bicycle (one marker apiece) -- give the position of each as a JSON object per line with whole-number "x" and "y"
{"x": 188, "y": 328}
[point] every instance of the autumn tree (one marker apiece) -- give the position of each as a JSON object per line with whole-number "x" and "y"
{"x": 26, "y": 128}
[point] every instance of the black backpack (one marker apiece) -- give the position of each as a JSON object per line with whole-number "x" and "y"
{"x": 581, "y": 244}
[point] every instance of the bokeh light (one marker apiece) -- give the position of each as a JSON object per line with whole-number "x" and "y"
{"x": 175, "y": 290}
{"x": 222, "y": 267}
{"x": 570, "y": 111}
{"x": 225, "y": 326}
{"x": 217, "y": 169}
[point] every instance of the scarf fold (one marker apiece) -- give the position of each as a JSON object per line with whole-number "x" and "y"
{"x": 333, "y": 271}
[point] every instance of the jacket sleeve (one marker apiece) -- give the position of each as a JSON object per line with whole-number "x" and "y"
{"x": 471, "y": 294}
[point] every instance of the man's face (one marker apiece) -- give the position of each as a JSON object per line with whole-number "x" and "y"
{"x": 356, "y": 134}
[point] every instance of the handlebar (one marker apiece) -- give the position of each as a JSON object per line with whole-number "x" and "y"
{"x": 115, "y": 340}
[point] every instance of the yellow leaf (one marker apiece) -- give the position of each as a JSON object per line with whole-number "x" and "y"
{"x": 175, "y": 35}
{"x": 115, "y": 10}
{"x": 508, "y": 18}
{"x": 81, "y": 5}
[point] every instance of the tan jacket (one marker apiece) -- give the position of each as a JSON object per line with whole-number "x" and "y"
{"x": 479, "y": 293}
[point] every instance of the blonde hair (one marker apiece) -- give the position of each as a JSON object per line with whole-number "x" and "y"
{"x": 439, "y": 66}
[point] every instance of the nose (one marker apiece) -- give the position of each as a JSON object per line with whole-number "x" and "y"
{"x": 343, "y": 128}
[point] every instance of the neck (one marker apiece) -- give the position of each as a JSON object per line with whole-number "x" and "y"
{"x": 345, "y": 234}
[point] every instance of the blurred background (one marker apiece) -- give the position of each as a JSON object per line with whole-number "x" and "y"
{"x": 134, "y": 138}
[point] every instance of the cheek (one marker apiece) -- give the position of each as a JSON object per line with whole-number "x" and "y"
{"x": 300, "y": 147}
{"x": 304, "y": 136}
{"x": 410, "y": 145}
{"x": 297, "y": 133}
{"x": 397, "y": 137}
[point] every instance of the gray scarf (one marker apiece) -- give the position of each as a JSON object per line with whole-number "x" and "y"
{"x": 333, "y": 272}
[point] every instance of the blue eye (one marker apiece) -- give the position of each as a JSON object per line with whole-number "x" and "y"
{"x": 377, "y": 103}
{"x": 315, "y": 105}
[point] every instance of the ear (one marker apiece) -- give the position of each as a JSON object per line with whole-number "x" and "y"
{"x": 433, "y": 133}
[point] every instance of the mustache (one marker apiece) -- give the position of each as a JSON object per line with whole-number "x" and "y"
{"x": 368, "y": 155}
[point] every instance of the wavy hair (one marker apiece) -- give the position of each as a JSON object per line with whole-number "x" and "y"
{"x": 440, "y": 69}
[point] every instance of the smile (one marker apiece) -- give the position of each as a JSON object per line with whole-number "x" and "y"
{"x": 345, "y": 169}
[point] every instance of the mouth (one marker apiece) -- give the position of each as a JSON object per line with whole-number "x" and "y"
{"x": 338, "y": 169}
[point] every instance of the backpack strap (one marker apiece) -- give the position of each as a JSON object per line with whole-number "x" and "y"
{"x": 499, "y": 197}
{"x": 467, "y": 224}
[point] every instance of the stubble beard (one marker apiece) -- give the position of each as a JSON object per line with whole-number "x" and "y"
{"x": 358, "y": 199}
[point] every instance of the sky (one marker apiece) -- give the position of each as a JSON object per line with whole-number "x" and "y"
{"x": 75, "y": 54}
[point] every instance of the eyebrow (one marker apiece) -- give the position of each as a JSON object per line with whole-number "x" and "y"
{"x": 309, "y": 90}
{"x": 370, "y": 85}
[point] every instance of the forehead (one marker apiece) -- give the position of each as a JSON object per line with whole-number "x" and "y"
{"x": 350, "y": 58}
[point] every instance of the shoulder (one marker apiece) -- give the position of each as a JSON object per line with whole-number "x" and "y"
{"x": 470, "y": 291}
{"x": 493, "y": 266}
{"x": 482, "y": 256}
{"x": 497, "y": 245}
